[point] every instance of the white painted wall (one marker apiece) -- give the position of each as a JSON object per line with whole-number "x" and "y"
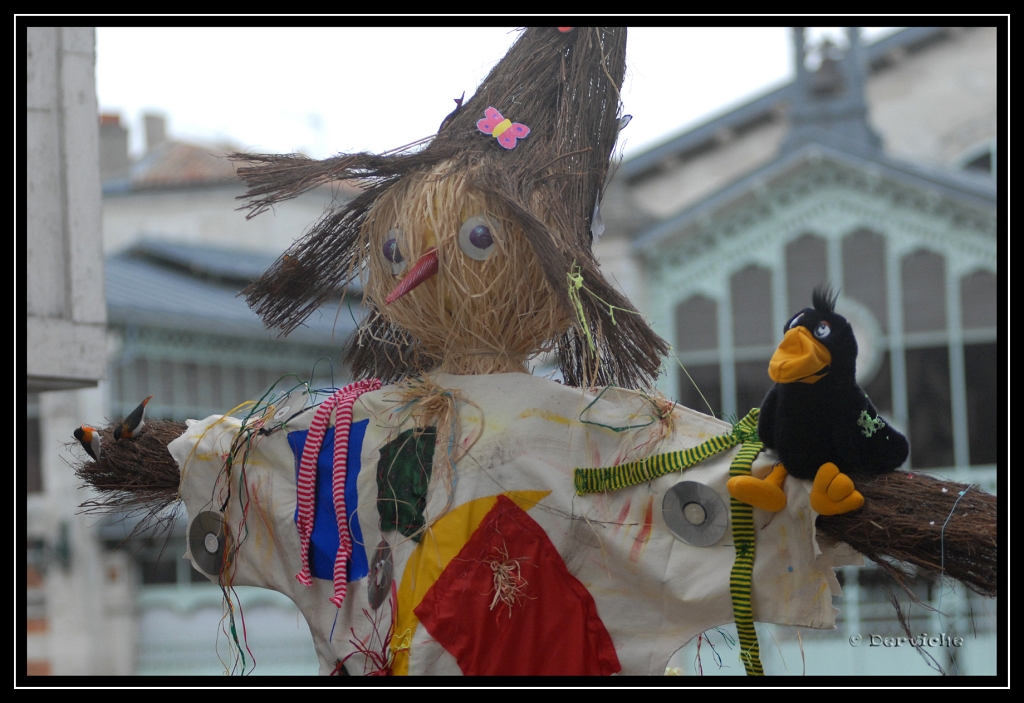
{"x": 938, "y": 102}
{"x": 66, "y": 321}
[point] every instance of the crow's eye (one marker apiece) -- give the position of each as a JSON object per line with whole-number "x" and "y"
{"x": 822, "y": 330}
{"x": 392, "y": 253}
{"x": 476, "y": 237}
{"x": 795, "y": 321}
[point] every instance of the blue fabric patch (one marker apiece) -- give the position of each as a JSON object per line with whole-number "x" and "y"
{"x": 323, "y": 544}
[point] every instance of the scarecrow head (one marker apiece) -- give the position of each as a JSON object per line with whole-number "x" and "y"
{"x": 474, "y": 247}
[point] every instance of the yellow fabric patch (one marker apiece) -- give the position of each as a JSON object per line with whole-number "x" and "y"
{"x": 440, "y": 544}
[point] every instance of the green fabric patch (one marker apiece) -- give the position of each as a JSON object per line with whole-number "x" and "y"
{"x": 403, "y": 476}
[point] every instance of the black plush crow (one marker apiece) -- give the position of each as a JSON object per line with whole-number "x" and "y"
{"x": 816, "y": 417}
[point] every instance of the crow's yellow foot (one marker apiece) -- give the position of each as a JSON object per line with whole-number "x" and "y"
{"x": 833, "y": 492}
{"x": 765, "y": 493}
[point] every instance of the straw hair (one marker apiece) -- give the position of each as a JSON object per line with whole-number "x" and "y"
{"x": 481, "y": 316}
{"x": 565, "y": 88}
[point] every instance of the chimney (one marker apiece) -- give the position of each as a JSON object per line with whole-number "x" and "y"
{"x": 114, "y": 162}
{"x": 829, "y": 101}
{"x": 156, "y": 130}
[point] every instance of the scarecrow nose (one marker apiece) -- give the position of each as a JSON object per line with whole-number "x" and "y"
{"x": 423, "y": 269}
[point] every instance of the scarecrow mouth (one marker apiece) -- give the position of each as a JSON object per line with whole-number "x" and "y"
{"x": 425, "y": 267}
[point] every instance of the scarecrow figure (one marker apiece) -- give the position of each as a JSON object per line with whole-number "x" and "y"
{"x": 450, "y": 513}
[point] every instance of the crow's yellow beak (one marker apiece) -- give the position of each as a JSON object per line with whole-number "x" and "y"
{"x": 800, "y": 358}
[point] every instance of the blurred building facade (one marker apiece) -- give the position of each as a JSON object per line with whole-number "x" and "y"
{"x": 171, "y": 255}
{"x": 874, "y": 171}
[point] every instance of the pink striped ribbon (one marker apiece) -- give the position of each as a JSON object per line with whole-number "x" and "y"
{"x": 342, "y": 425}
{"x": 341, "y": 403}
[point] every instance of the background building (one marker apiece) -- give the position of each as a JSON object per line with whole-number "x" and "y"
{"x": 153, "y": 311}
{"x": 872, "y": 171}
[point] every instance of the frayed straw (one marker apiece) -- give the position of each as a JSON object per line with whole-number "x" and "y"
{"x": 910, "y": 518}
{"x": 658, "y": 415}
{"x": 431, "y": 405}
{"x": 509, "y": 584}
{"x": 134, "y": 477}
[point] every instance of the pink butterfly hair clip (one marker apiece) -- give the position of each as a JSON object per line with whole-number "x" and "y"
{"x": 504, "y": 130}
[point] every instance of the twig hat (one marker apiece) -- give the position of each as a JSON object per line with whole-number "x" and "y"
{"x": 559, "y": 91}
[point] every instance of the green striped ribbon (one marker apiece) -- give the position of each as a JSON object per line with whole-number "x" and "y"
{"x": 635, "y": 472}
{"x": 743, "y": 567}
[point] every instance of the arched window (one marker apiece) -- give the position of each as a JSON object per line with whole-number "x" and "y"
{"x": 697, "y": 350}
{"x": 752, "y": 335}
{"x": 806, "y": 267}
{"x": 930, "y": 418}
{"x": 978, "y": 318}
{"x": 865, "y": 282}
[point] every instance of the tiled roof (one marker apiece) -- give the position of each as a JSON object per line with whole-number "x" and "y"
{"x": 183, "y": 165}
{"x": 195, "y": 287}
{"x": 177, "y": 164}
{"x": 206, "y": 261}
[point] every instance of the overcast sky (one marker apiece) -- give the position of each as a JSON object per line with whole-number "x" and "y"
{"x": 323, "y": 90}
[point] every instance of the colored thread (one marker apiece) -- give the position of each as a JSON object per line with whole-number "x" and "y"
{"x": 710, "y": 409}
{"x": 575, "y": 284}
{"x": 253, "y": 424}
{"x": 306, "y": 483}
{"x": 869, "y": 425}
{"x": 659, "y": 415}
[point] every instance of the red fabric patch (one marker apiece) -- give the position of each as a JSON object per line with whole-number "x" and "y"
{"x": 554, "y": 628}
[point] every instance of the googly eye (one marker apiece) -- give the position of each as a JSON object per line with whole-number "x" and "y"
{"x": 822, "y": 330}
{"x": 695, "y": 513}
{"x": 795, "y": 321}
{"x": 392, "y": 253}
{"x": 476, "y": 237}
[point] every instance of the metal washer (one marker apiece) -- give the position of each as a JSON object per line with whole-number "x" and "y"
{"x": 381, "y": 569}
{"x": 206, "y": 542}
{"x": 695, "y": 513}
